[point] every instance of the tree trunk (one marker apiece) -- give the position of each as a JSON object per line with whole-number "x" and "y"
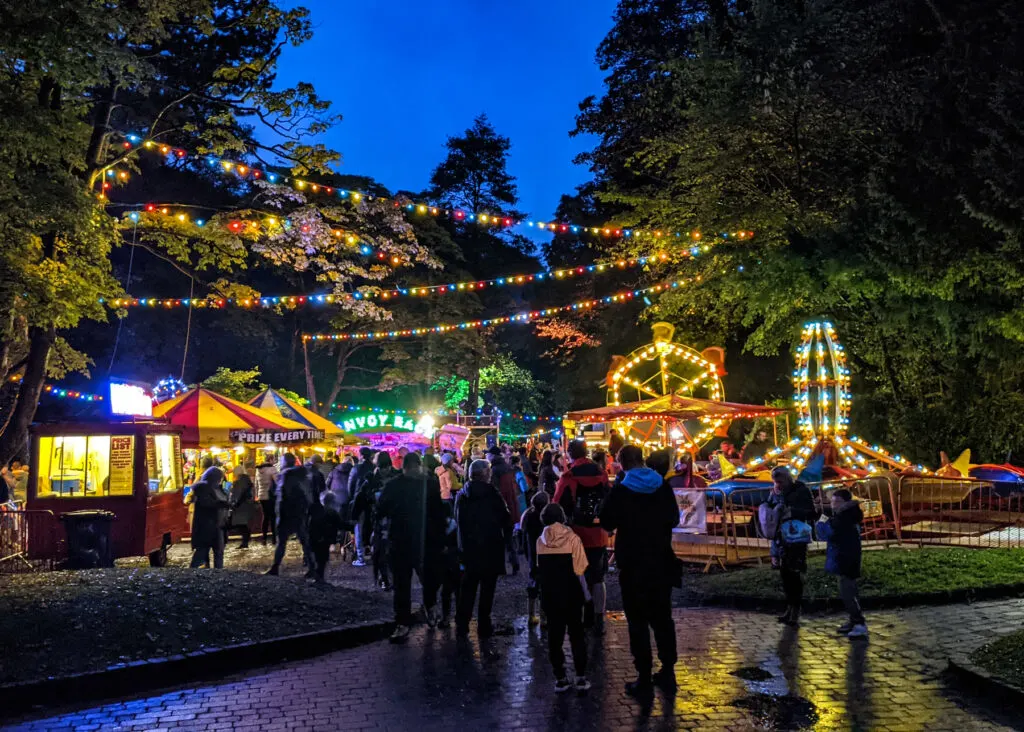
{"x": 474, "y": 386}
{"x": 15, "y": 432}
{"x": 310, "y": 387}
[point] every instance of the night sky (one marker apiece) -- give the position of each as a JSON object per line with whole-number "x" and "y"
{"x": 406, "y": 75}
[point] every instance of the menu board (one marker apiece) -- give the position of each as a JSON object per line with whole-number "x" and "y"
{"x": 151, "y": 465}
{"x": 121, "y": 473}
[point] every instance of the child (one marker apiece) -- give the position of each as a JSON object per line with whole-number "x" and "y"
{"x": 451, "y": 573}
{"x": 561, "y": 562}
{"x": 532, "y": 528}
{"x": 842, "y": 532}
{"x": 324, "y": 526}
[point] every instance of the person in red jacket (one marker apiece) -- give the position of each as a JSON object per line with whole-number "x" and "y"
{"x": 580, "y": 492}
{"x": 503, "y": 477}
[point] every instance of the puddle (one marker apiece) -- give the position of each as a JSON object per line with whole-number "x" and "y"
{"x": 779, "y": 712}
{"x": 752, "y": 673}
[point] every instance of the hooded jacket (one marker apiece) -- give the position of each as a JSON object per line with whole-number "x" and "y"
{"x": 210, "y": 504}
{"x": 642, "y": 510}
{"x": 842, "y": 532}
{"x": 504, "y": 479}
{"x": 483, "y": 521}
{"x": 584, "y": 477}
{"x": 561, "y": 561}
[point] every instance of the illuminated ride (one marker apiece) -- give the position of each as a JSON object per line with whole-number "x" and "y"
{"x": 663, "y": 369}
{"x": 663, "y": 394}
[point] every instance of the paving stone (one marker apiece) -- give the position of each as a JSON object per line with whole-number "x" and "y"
{"x": 435, "y": 681}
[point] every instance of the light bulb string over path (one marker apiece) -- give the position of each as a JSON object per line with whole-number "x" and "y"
{"x": 247, "y": 172}
{"x": 521, "y": 317}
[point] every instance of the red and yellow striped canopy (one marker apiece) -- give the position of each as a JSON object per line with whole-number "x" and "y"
{"x": 208, "y": 418}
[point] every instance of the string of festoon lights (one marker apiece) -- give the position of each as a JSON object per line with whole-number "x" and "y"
{"x": 438, "y": 411}
{"x": 299, "y": 300}
{"x": 247, "y": 172}
{"x": 523, "y": 317}
{"x": 60, "y": 393}
{"x": 249, "y": 227}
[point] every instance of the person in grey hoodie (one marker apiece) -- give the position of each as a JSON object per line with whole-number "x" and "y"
{"x": 642, "y": 510}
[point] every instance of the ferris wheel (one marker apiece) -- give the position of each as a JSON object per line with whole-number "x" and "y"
{"x": 660, "y": 369}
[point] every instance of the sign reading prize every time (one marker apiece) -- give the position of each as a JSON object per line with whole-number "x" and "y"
{"x": 370, "y": 422}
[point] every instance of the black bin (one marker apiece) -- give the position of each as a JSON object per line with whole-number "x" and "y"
{"x": 88, "y": 535}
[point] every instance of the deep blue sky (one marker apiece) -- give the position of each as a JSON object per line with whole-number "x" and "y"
{"x": 406, "y": 75}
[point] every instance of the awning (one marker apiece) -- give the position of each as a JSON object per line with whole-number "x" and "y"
{"x": 273, "y": 402}
{"x": 211, "y": 419}
{"x": 672, "y": 407}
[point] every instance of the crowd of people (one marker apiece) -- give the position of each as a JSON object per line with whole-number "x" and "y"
{"x": 461, "y": 522}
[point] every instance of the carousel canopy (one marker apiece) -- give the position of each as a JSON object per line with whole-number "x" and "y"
{"x": 271, "y": 401}
{"x": 211, "y": 419}
{"x": 672, "y": 406}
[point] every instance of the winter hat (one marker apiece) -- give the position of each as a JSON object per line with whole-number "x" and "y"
{"x": 446, "y": 459}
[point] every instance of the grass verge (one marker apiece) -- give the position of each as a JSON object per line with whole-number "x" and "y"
{"x": 60, "y": 623}
{"x": 1004, "y": 658}
{"x": 888, "y": 573}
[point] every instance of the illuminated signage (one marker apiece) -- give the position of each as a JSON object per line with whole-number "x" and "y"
{"x": 272, "y": 437}
{"x": 372, "y": 422}
{"x": 130, "y": 400}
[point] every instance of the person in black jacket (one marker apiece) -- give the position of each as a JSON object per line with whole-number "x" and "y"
{"x": 292, "y": 512}
{"x": 358, "y": 478}
{"x": 484, "y": 523}
{"x": 532, "y": 529}
{"x": 210, "y": 504}
{"x": 641, "y": 508}
{"x": 842, "y": 532}
{"x": 324, "y": 526}
{"x": 795, "y": 502}
{"x": 412, "y": 504}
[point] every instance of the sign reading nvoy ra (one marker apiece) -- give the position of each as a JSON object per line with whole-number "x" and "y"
{"x": 359, "y": 422}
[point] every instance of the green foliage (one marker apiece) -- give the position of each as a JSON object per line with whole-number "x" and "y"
{"x": 239, "y": 385}
{"x": 514, "y": 387}
{"x": 870, "y": 147}
{"x": 456, "y": 390}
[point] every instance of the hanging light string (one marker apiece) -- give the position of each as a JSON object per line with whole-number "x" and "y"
{"x": 268, "y": 225}
{"x": 509, "y": 280}
{"x": 250, "y": 173}
{"x": 439, "y": 411}
{"x": 56, "y": 391}
{"x": 617, "y": 299}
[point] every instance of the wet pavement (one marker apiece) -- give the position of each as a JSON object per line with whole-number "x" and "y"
{"x": 736, "y": 671}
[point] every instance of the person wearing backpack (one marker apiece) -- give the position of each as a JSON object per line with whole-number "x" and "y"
{"x": 795, "y": 504}
{"x": 359, "y": 487}
{"x": 580, "y": 491}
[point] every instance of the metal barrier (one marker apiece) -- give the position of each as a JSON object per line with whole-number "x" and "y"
{"x": 963, "y": 513}
{"x": 733, "y": 534}
{"x": 717, "y": 543}
{"x": 29, "y": 541}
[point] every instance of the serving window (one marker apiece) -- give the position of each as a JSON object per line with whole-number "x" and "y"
{"x": 79, "y": 466}
{"x": 163, "y": 460}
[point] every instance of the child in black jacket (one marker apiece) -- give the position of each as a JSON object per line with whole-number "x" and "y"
{"x": 324, "y": 526}
{"x": 532, "y": 529}
{"x": 450, "y": 572}
{"x": 561, "y": 562}
{"x": 842, "y": 558}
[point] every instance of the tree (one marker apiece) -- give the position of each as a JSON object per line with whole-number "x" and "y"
{"x": 859, "y": 141}
{"x": 85, "y": 109}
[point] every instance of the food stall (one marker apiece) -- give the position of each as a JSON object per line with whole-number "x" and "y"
{"x": 132, "y": 469}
